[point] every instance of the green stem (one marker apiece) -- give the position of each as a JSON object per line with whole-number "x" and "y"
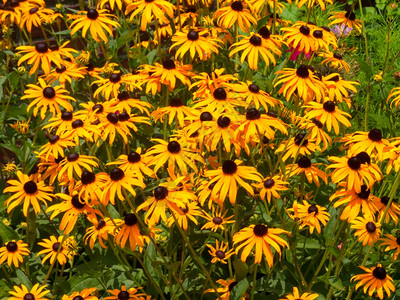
{"x": 253, "y": 288}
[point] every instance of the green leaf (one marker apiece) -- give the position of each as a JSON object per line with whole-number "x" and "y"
{"x": 6, "y": 233}
{"x": 366, "y": 68}
{"x": 239, "y": 290}
{"x": 334, "y": 251}
{"x": 241, "y": 269}
{"x": 23, "y": 279}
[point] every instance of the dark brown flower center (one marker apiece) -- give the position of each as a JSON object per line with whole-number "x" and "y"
{"x": 237, "y": 6}
{"x": 193, "y": 36}
{"x": 337, "y": 56}
{"x": 123, "y": 117}
{"x": 92, "y": 14}
{"x": 130, "y": 219}
{"x": 73, "y": 157}
{"x": 302, "y": 71}
{"x": 385, "y": 200}
{"x": 313, "y": 209}
{"x": 229, "y": 167}
{"x": 220, "y": 94}
{"x": 41, "y": 47}
{"x": 370, "y": 227}
{"x": 301, "y": 137}
{"x": 379, "y": 273}
{"x": 232, "y": 285}
{"x": 101, "y": 224}
{"x": 223, "y": 122}
{"x": 350, "y": 15}
{"x": 260, "y": 230}
{"x": 375, "y": 135}
{"x": 269, "y": 183}
{"x": 272, "y": 114}
{"x": 255, "y": 40}
{"x": 174, "y": 147}
{"x": 29, "y": 296}
{"x": 61, "y": 70}
{"x": 205, "y": 116}
{"x": 253, "y": 114}
{"x": 12, "y": 247}
{"x": 77, "y": 123}
{"x": 115, "y": 77}
{"x": 254, "y": 88}
{"x": 217, "y": 220}
{"x": 30, "y": 187}
{"x": 365, "y": 192}
{"x": 78, "y": 202}
{"x": 329, "y": 106}
{"x": 317, "y": 123}
{"x": 354, "y": 163}
{"x": 88, "y": 177}
{"x": 123, "y": 96}
{"x": 160, "y": 193}
{"x": 112, "y": 118}
{"x": 175, "y": 102}
{"x": 169, "y": 64}
{"x": 78, "y": 298}
{"x": 305, "y": 30}
{"x": 49, "y": 92}
{"x": 56, "y": 246}
{"x": 98, "y": 108}
{"x": 66, "y": 116}
{"x": 54, "y": 139}
{"x": 264, "y": 32}
{"x": 117, "y": 174}
{"x": 33, "y": 10}
{"x": 304, "y": 162}
{"x": 185, "y": 209}
{"x": 364, "y": 157}
{"x": 317, "y": 34}
{"x": 220, "y": 254}
{"x": 123, "y": 295}
{"x": 134, "y": 157}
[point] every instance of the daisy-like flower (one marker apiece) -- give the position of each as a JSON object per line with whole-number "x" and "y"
{"x": 354, "y": 171}
{"x": 118, "y": 179}
{"x": 335, "y": 60}
{"x": 129, "y": 103}
{"x": 299, "y": 37}
{"x": 159, "y": 9}
{"x": 175, "y": 153}
{"x": 166, "y": 195}
{"x": 175, "y": 111}
{"x": 27, "y": 191}
{"x": 89, "y": 187}
{"x": 86, "y": 294}
{"x": 338, "y": 89}
{"x": 46, "y": 98}
{"x": 224, "y": 292}
{"x": 221, "y": 131}
{"x": 96, "y": 21}
{"x": 35, "y": 16}
{"x": 296, "y": 294}
{"x": 347, "y": 18}
{"x": 371, "y": 142}
{"x": 22, "y": 293}
{"x": 219, "y": 253}
{"x": 73, "y": 163}
{"x": 315, "y": 131}
{"x": 66, "y": 73}
{"x": 310, "y": 170}
{"x": 217, "y": 219}
{"x": 252, "y": 48}
{"x": 262, "y": 238}
{"x": 114, "y": 4}
{"x": 195, "y": 41}
{"x": 228, "y": 176}
{"x": 62, "y": 122}
{"x": 126, "y": 294}
{"x": 251, "y": 93}
{"x": 72, "y": 207}
{"x": 188, "y": 212}
{"x": 375, "y": 279}
{"x": 312, "y": 215}
{"x": 109, "y": 87}
{"x": 129, "y": 231}
{"x": 56, "y": 146}
{"x": 40, "y": 54}
{"x": 395, "y": 94}
{"x": 368, "y": 231}
{"x": 235, "y": 12}
{"x": 328, "y": 114}
{"x": 111, "y": 125}
{"x": 271, "y": 186}
{"x": 13, "y": 251}
{"x": 302, "y": 81}
{"x": 392, "y": 243}
{"x": 393, "y": 211}
{"x": 299, "y": 145}
{"x": 53, "y": 251}
{"x": 310, "y": 4}
{"x": 100, "y": 230}
{"x": 205, "y": 82}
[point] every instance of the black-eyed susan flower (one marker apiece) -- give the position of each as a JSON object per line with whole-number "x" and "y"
{"x": 55, "y": 147}
{"x": 176, "y": 111}
{"x": 224, "y": 292}
{"x": 312, "y": 215}
{"x": 126, "y": 294}
{"x": 110, "y": 87}
{"x": 310, "y": 170}
{"x": 298, "y": 145}
{"x": 328, "y": 114}
{"x": 367, "y": 230}
{"x": 175, "y": 153}
{"x": 188, "y": 212}
{"x": 221, "y": 131}
{"x": 395, "y": 94}
{"x": 62, "y": 122}
{"x": 52, "y": 250}
{"x": 252, "y": 47}
{"x": 100, "y": 231}
{"x": 66, "y": 73}
{"x": 40, "y": 54}
{"x": 196, "y": 41}
{"x": 310, "y": 4}
{"x": 86, "y": 294}
{"x": 46, "y": 97}
{"x": 354, "y": 171}
{"x": 23, "y": 293}
{"x": 10, "y": 12}
{"x": 315, "y": 131}
{"x": 299, "y": 37}
{"x": 35, "y": 16}
{"x": 166, "y": 195}
{"x": 392, "y": 243}
{"x": 262, "y": 238}
{"x": 129, "y": 103}
{"x": 13, "y": 251}
{"x": 251, "y": 93}
{"x": 347, "y": 18}
{"x": 217, "y": 220}
{"x": 159, "y": 9}
{"x": 338, "y": 89}
{"x": 296, "y": 295}
{"x": 271, "y": 187}
{"x": 237, "y": 13}
{"x": 371, "y": 142}
{"x": 111, "y": 125}
{"x": 335, "y": 60}
{"x": 129, "y": 231}
{"x": 205, "y": 82}
{"x": 90, "y": 186}
{"x": 97, "y": 22}
{"x": 229, "y": 175}
{"x": 73, "y": 164}
{"x": 72, "y": 207}
{"x": 375, "y": 279}
{"x": 302, "y": 81}
{"x": 116, "y": 181}
{"x": 113, "y": 4}
{"x": 219, "y": 253}
{"x": 27, "y": 191}
{"x": 51, "y": 166}
{"x": 393, "y": 211}
{"x": 83, "y": 128}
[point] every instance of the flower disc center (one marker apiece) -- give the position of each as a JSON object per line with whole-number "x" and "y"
{"x": 116, "y": 174}
{"x": 49, "y": 92}
{"x": 229, "y": 167}
{"x": 30, "y": 187}
{"x": 260, "y": 230}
